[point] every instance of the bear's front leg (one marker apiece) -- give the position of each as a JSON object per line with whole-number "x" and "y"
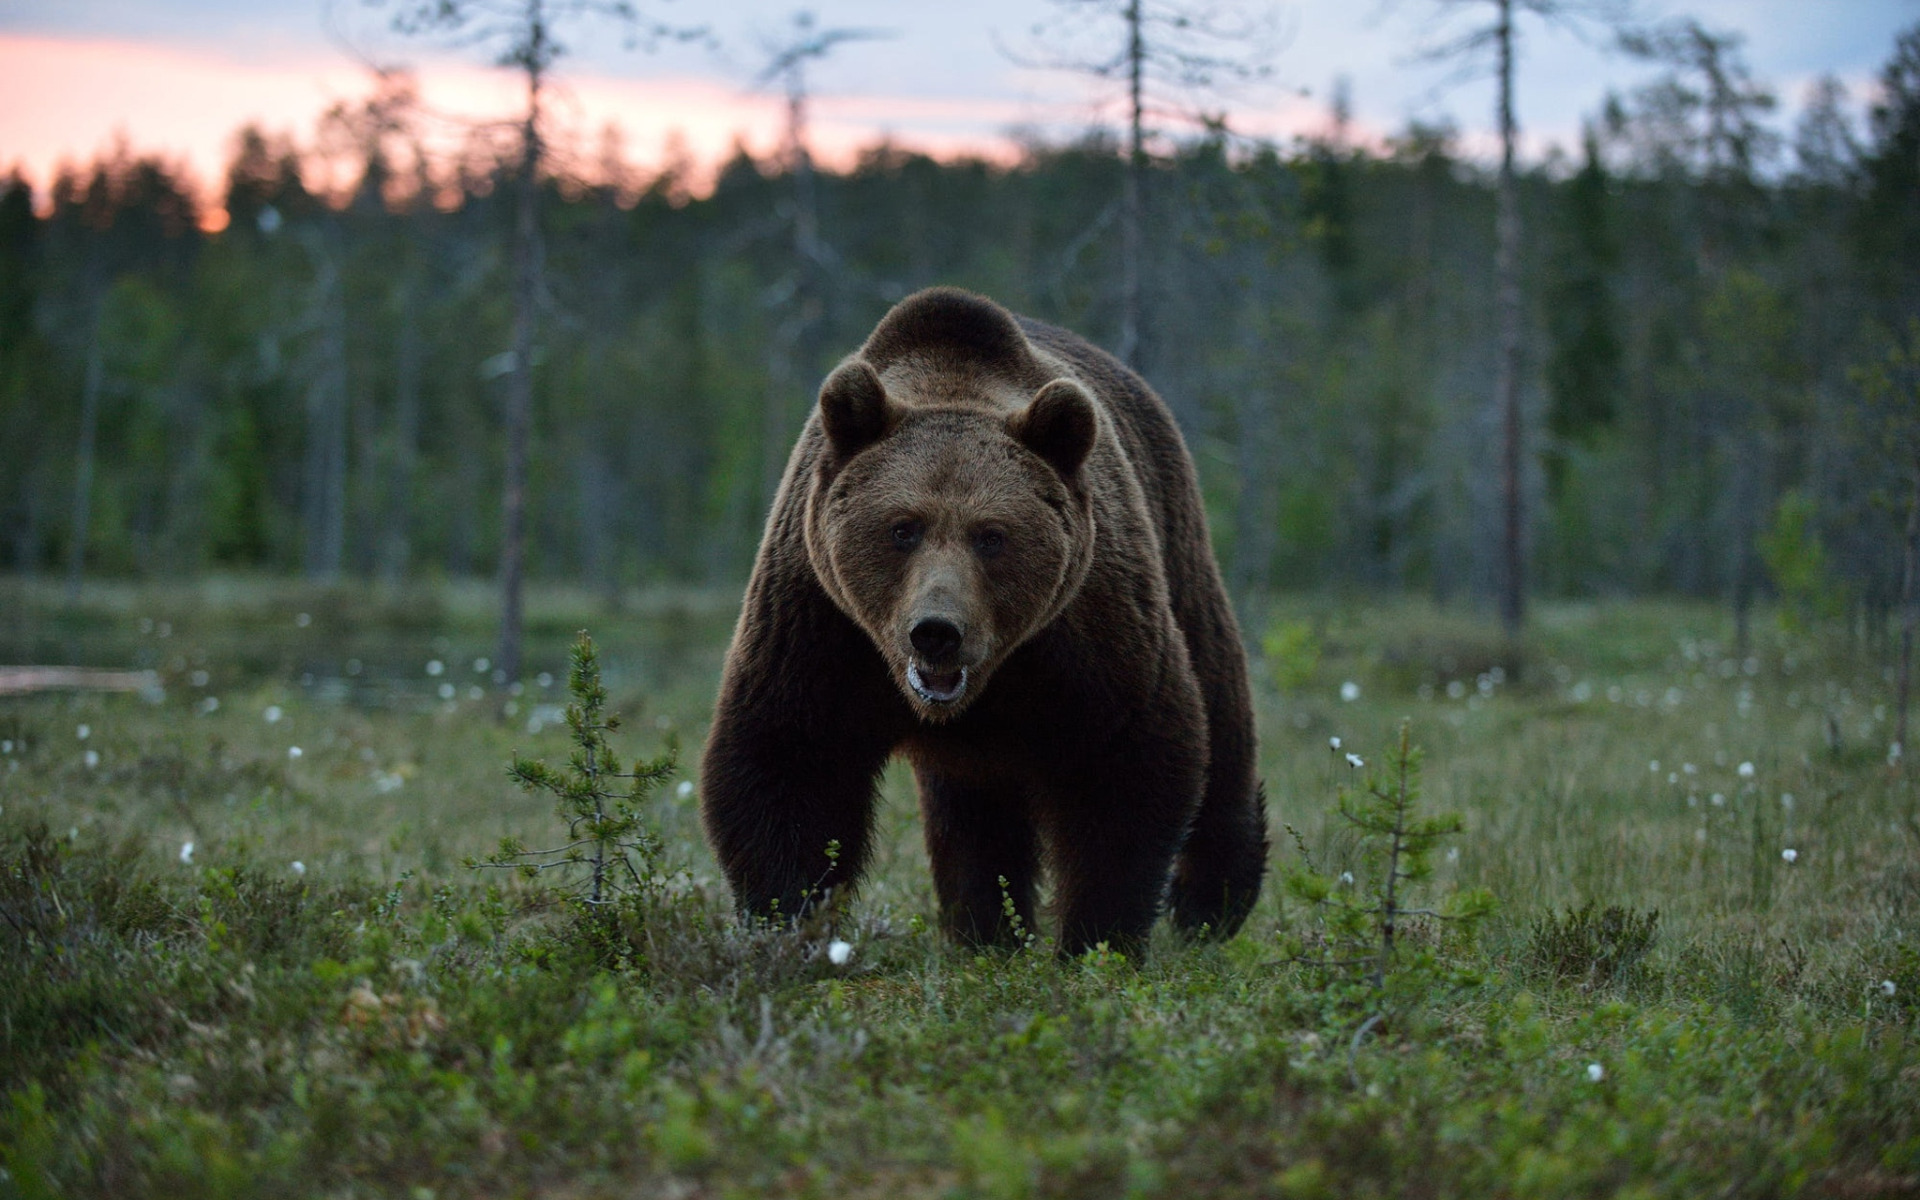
{"x": 977, "y": 835}
{"x": 803, "y": 725}
{"x": 788, "y": 821}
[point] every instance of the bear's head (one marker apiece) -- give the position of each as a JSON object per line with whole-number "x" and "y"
{"x": 950, "y": 516}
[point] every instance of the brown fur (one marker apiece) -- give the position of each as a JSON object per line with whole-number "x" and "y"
{"x": 1000, "y": 479}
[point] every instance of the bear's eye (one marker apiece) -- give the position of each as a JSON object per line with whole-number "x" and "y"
{"x": 989, "y": 542}
{"x": 906, "y": 534}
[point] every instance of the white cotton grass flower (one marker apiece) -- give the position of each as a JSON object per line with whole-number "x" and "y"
{"x": 1346, "y": 877}
{"x": 1894, "y": 754}
{"x": 1888, "y": 989}
{"x": 294, "y": 752}
{"x": 84, "y": 732}
{"x": 1595, "y": 1072}
{"x": 303, "y": 619}
{"x": 1355, "y": 761}
{"x": 273, "y": 714}
{"x": 298, "y": 867}
{"x": 1718, "y": 800}
{"x": 186, "y": 853}
{"x": 446, "y": 691}
{"x": 1349, "y": 691}
{"x": 1745, "y": 770}
{"x": 91, "y": 758}
{"x": 684, "y": 789}
{"x": 1789, "y": 855}
{"x": 1786, "y": 801}
{"x": 435, "y": 666}
{"x": 839, "y": 953}
{"x": 1653, "y": 768}
{"x": 1334, "y": 743}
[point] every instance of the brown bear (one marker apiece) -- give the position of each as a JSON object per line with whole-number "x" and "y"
{"x": 989, "y": 553}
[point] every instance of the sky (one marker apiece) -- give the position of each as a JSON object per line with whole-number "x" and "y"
{"x": 179, "y": 77}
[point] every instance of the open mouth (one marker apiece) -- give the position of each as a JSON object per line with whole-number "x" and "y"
{"x": 937, "y": 687}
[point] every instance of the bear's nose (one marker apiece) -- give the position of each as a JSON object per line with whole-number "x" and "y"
{"x": 936, "y": 639}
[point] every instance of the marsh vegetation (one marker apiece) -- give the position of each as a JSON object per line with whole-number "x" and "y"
{"x": 243, "y": 957}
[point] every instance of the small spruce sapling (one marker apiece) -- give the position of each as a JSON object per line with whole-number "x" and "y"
{"x": 1360, "y": 923}
{"x": 610, "y": 851}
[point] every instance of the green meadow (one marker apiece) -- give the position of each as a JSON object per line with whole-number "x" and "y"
{"x": 241, "y": 952}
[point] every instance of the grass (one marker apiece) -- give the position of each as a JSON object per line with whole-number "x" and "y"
{"x": 382, "y": 1021}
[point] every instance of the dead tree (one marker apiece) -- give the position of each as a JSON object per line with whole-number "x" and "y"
{"x": 521, "y": 34}
{"x": 1167, "y": 54}
{"x": 1499, "y": 37}
{"x": 800, "y": 297}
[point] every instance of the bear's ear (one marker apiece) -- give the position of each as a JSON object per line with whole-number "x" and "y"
{"x": 1059, "y": 425}
{"x": 853, "y": 408}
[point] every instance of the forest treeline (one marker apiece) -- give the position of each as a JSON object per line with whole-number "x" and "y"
{"x": 1719, "y": 348}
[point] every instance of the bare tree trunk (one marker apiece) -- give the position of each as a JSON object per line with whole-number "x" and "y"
{"x": 1255, "y": 522}
{"x": 83, "y": 466}
{"x": 773, "y": 411}
{"x": 1507, "y": 379}
{"x": 184, "y": 515}
{"x": 595, "y": 496}
{"x": 339, "y": 402}
{"x": 1131, "y": 250}
{"x": 806, "y": 221}
{"x": 1746, "y": 563}
{"x": 395, "y": 548}
{"x": 794, "y": 349}
{"x": 324, "y": 495}
{"x": 519, "y": 409}
{"x": 1907, "y": 613}
{"x": 33, "y": 498}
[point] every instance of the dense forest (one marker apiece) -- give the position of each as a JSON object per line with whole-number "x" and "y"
{"x": 1719, "y": 385}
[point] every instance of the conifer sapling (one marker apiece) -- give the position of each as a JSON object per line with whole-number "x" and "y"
{"x": 610, "y": 851}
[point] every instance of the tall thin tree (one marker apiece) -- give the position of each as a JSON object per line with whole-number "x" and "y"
{"x": 1500, "y": 38}
{"x": 802, "y": 293}
{"x": 1168, "y": 53}
{"x": 522, "y": 36}
{"x": 1716, "y": 108}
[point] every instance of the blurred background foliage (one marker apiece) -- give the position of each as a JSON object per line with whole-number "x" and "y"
{"x": 1719, "y": 322}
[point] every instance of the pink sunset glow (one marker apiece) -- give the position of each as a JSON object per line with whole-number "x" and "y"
{"x": 63, "y": 100}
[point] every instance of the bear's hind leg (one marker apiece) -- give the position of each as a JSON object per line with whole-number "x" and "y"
{"x": 978, "y": 835}
{"x": 1217, "y": 878}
